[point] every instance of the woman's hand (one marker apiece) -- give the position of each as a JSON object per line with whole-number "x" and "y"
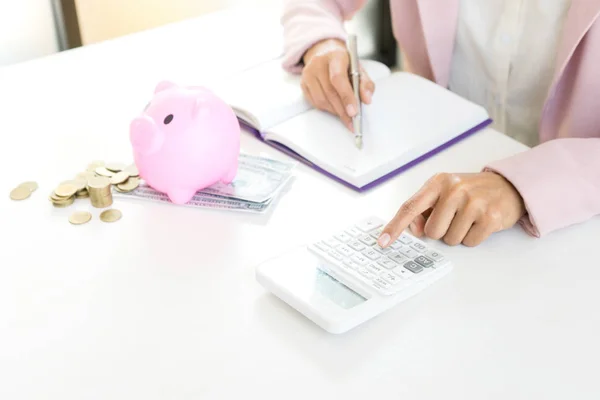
{"x": 458, "y": 208}
{"x": 326, "y": 82}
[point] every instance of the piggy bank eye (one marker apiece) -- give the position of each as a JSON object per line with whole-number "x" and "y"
{"x": 168, "y": 119}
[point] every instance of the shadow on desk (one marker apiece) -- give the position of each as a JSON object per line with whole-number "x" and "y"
{"x": 342, "y": 356}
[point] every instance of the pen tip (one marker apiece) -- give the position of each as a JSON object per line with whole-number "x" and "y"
{"x": 359, "y": 142}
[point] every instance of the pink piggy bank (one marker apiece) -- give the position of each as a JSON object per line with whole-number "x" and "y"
{"x": 186, "y": 140}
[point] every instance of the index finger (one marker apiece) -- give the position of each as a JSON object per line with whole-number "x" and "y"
{"x": 420, "y": 202}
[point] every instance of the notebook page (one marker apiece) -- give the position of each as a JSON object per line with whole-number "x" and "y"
{"x": 270, "y": 95}
{"x": 408, "y": 117}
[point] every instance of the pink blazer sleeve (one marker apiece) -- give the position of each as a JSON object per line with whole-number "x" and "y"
{"x": 305, "y": 22}
{"x": 559, "y": 181}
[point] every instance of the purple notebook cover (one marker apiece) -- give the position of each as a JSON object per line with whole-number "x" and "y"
{"x": 376, "y": 182}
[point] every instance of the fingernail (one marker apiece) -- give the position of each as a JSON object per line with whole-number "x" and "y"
{"x": 384, "y": 240}
{"x": 412, "y": 227}
{"x": 350, "y": 110}
{"x": 368, "y": 96}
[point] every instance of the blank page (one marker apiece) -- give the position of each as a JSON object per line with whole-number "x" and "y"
{"x": 409, "y": 116}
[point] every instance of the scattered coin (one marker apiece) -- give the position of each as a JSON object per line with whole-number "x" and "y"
{"x": 66, "y": 190}
{"x": 32, "y": 186}
{"x": 119, "y": 177}
{"x": 111, "y": 215}
{"x": 80, "y": 217}
{"x": 129, "y": 186}
{"x": 20, "y": 193}
{"x": 115, "y": 167}
{"x": 102, "y": 171}
{"x": 132, "y": 171}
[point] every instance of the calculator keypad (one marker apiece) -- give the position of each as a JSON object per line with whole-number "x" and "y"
{"x": 388, "y": 270}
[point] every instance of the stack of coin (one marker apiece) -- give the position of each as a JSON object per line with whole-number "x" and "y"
{"x": 95, "y": 182}
{"x": 64, "y": 194}
{"x": 100, "y": 193}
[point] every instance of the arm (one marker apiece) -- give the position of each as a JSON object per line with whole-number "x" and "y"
{"x": 559, "y": 182}
{"x": 306, "y": 22}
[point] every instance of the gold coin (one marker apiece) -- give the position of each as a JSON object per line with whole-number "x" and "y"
{"x": 129, "y": 186}
{"x": 132, "y": 170}
{"x": 82, "y": 194}
{"x": 111, "y": 215}
{"x": 115, "y": 167}
{"x": 64, "y": 203}
{"x": 20, "y": 193}
{"x": 80, "y": 184}
{"x": 66, "y": 190}
{"x": 119, "y": 177}
{"x": 102, "y": 171}
{"x": 32, "y": 186}
{"x": 80, "y": 217}
{"x": 99, "y": 182}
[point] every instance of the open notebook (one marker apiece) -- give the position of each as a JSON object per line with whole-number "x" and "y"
{"x": 409, "y": 119}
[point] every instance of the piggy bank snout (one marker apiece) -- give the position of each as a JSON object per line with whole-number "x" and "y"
{"x": 145, "y": 136}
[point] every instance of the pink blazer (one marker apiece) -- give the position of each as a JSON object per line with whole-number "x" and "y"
{"x": 559, "y": 179}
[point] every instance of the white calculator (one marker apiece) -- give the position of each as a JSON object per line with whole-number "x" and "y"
{"x": 346, "y": 279}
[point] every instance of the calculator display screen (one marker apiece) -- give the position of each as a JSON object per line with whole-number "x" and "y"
{"x": 336, "y": 291}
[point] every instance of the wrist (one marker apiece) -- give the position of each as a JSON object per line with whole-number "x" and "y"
{"x": 322, "y": 46}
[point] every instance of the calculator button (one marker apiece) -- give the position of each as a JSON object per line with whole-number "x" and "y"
{"x": 351, "y": 264}
{"x": 375, "y": 268}
{"x": 386, "y": 250}
{"x": 405, "y": 239}
{"x": 332, "y": 242}
{"x": 396, "y": 245}
{"x": 413, "y": 267}
{"x": 368, "y": 240}
{"x": 387, "y": 263}
{"x": 420, "y": 247}
{"x": 382, "y": 282}
{"x": 391, "y": 278}
{"x": 360, "y": 259}
{"x": 366, "y": 273}
{"x": 376, "y": 233}
{"x": 408, "y": 252}
{"x": 397, "y": 257}
{"x": 344, "y": 250}
{"x": 402, "y": 272}
{"x": 343, "y": 237}
{"x": 356, "y": 245}
{"x": 434, "y": 255}
{"x": 424, "y": 261}
{"x": 322, "y": 246}
{"x": 333, "y": 253}
{"x": 372, "y": 254}
{"x": 353, "y": 232}
{"x": 369, "y": 224}
{"x": 383, "y": 290}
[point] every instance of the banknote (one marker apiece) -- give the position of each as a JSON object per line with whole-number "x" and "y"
{"x": 266, "y": 162}
{"x": 200, "y": 200}
{"x": 258, "y": 180}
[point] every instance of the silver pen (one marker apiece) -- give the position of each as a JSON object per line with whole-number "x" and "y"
{"x": 355, "y": 79}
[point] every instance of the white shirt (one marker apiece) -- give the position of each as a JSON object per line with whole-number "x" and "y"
{"x": 504, "y": 59}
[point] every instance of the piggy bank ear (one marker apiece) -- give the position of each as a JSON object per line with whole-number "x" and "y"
{"x": 200, "y": 107}
{"x": 164, "y": 85}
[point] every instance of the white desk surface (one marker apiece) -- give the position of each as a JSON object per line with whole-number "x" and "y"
{"x": 164, "y": 304}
